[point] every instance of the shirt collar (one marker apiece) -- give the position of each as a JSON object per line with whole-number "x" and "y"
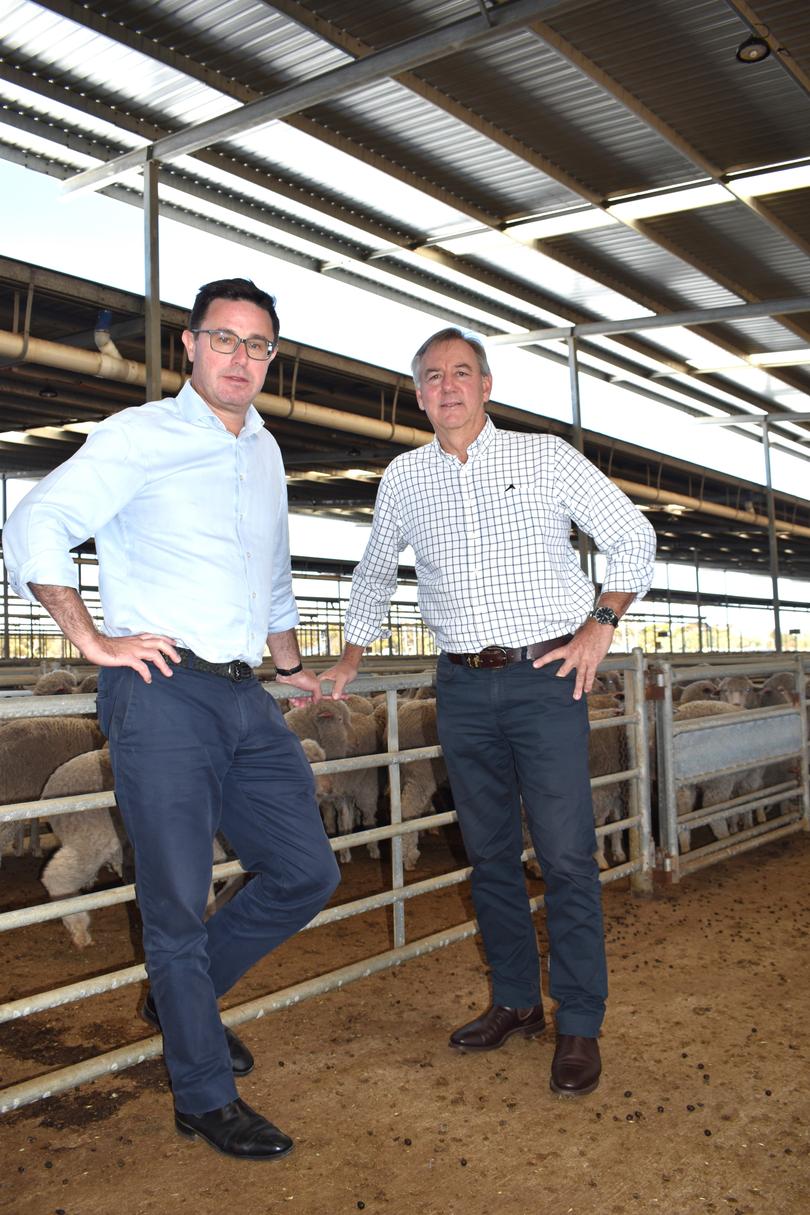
{"x": 480, "y": 443}
{"x": 194, "y": 410}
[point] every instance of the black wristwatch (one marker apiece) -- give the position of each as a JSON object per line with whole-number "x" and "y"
{"x": 292, "y": 670}
{"x": 604, "y": 615}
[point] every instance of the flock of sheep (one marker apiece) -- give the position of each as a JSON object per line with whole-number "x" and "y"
{"x": 712, "y": 698}
{"x": 43, "y": 758}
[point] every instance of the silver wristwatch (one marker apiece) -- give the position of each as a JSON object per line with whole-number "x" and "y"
{"x": 604, "y": 615}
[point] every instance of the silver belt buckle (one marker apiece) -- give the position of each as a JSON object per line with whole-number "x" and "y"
{"x": 238, "y": 670}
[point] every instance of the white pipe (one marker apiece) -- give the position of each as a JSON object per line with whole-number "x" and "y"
{"x": 105, "y": 366}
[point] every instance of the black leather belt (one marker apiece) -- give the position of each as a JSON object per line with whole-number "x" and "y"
{"x": 236, "y": 670}
{"x": 495, "y": 656}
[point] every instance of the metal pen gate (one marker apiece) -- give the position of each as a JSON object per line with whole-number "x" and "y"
{"x": 752, "y": 763}
{"x": 633, "y": 778}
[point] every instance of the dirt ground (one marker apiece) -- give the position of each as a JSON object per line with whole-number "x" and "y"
{"x": 703, "y": 1105}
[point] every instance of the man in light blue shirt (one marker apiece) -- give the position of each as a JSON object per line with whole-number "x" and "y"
{"x": 187, "y": 501}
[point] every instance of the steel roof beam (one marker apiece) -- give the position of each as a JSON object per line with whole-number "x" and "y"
{"x": 152, "y": 49}
{"x": 448, "y": 40}
{"x": 452, "y": 292}
{"x": 238, "y": 169}
{"x": 631, "y": 102}
{"x": 694, "y": 316}
{"x": 351, "y": 45}
{"x": 428, "y": 92}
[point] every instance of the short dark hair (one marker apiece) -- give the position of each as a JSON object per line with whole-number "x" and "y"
{"x": 452, "y": 334}
{"x": 232, "y": 289}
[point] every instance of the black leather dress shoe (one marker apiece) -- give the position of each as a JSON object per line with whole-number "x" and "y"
{"x": 236, "y": 1130}
{"x": 576, "y": 1066}
{"x": 241, "y": 1058}
{"x": 498, "y": 1023}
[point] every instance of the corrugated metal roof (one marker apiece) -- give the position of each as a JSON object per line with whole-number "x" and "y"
{"x": 411, "y": 131}
{"x": 532, "y": 92}
{"x": 678, "y": 57}
{"x": 590, "y": 103}
{"x": 733, "y": 241}
{"x": 631, "y": 258}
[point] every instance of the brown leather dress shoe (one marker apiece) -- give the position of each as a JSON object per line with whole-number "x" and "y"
{"x": 236, "y": 1130}
{"x": 498, "y": 1023}
{"x": 576, "y": 1066}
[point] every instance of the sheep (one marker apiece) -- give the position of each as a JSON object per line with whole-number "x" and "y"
{"x": 607, "y": 753}
{"x": 88, "y": 684}
{"x": 716, "y": 789}
{"x": 58, "y": 682}
{"x": 785, "y": 680}
{"x": 610, "y": 681}
{"x": 701, "y": 689}
{"x": 358, "y": 704}
{"x": 332, "y": 724}
{"x": 334, "y": 810}
{"x": 341, "y": 734}
{"x": 768, "y": 698}
{"x": 738, "y": 690}
{"x": 421, "y": 779}
{"x": 88, "y": 840}
{"x": 603, "y": 700}
{"x": 30, "y": 750}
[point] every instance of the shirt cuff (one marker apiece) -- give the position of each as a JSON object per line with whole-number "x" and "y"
{"x": 45, "y": 571}
{"x": 284, "y": 621}
{"x": 358, "y": 633}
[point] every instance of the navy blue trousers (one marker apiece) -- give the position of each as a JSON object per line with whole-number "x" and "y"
{"x": 518, "y": 733}
{"x": 194, "y": 754}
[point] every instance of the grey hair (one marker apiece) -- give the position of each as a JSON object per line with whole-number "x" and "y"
{"x": 451, "y": 334}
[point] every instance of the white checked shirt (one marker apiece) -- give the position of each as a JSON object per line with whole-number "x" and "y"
{"x": 494, "y": 560}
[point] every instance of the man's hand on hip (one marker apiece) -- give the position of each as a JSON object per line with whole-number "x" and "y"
{"x": 583, "y": 653}
{"x": 135, "y": 651}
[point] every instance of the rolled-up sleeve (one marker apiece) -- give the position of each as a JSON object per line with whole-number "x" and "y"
{"x": 66, "y": 508}
{"x": 617, "y": 526}
{"x": 375, "y": 577}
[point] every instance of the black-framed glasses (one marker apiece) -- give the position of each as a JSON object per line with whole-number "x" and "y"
{"x": 225, "y": 341}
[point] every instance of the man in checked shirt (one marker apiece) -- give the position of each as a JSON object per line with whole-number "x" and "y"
{"x": 488, "y": 513}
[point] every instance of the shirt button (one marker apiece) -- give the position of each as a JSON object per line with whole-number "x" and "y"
{"x": 248, "y": 554}
{"x": 253, "y": 595}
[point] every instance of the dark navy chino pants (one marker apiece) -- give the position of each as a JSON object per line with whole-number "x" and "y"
{"x": 194, "y": 754}
{"x": 518, "y": 733}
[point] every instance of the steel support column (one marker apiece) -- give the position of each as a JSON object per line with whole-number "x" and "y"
{"x": 586, "y": 557}
{"x": 151, "y": 287}
{"x": 6, "y": 638}
{"x": 773, "y": 548}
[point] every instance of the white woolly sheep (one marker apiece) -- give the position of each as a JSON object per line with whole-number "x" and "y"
{"x": 713, "y": 790}
{"x": 738, "y": 690}
{"x": 342, "y": 734}
{"x": 422, "y": 779}
{"x": 89, "y": 840}
{"x": 30, "y": 750}
{"x": 58, "y": 682}
{"x": 700, "y": 689}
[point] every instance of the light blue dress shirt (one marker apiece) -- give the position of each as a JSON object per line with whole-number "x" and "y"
{"x": 190, "y": 523}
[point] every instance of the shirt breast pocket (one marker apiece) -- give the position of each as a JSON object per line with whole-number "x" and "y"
{"x": 522, "y": 515}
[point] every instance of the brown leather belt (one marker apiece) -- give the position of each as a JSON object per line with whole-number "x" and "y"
{"x": 236, "y": 671}
{"x": 496, "y": 656}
